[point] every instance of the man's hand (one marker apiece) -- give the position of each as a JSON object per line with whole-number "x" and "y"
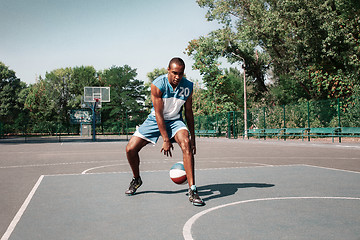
{"x": 167, "y": 147}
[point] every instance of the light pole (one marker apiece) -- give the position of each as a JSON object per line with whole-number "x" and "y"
{"x": 245, "y": 105}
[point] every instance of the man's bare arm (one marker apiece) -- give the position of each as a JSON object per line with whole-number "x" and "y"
{"x": 159, "y": 115}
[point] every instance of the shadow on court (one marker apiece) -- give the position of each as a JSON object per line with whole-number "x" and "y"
{"x": 213, "y": 191}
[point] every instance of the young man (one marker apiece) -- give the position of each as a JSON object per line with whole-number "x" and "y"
{"x": 169, "y": 94}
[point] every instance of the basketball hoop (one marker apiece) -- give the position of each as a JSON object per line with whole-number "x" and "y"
{"x": 93, "y": 97}
{"x": 96, "y": 94}
{"x": 97, "y": 102}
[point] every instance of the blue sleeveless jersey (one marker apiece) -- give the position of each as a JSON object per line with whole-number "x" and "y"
{"x": 173, "y": 99}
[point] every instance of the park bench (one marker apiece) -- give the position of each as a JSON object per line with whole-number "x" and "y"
{"x": 294, "y": 132}
{"x": 323, "y": 132}
{"x": 348, "y": 132}
{"x": 206, "y": 133}
{"x": 255, "y": 133}
{"x": 273, "y": 132}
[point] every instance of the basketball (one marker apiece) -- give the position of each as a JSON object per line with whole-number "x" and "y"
{"x": 178, "y": 174}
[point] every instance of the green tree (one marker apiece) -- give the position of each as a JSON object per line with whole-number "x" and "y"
{"x": 151, "y": 77}
{"x": 199, "y": 101}
{"x": 61, "y": 90}
{"x": 233, "y": 86}
{"x": 83, "y": 76}
{"x": 51, "y": 98}
{"x": 155, "y": 73}
{"x": 10, "y": 102}
{"x": 206, "y": 52}
{"x": 127, "y": 94}
{"x": 295, "y": 38}
{"x": 58, "y": 94}
{"x": 38, "y": 103}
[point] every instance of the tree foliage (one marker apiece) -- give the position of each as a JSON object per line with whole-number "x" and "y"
{"x": 227, "y": 97}
{"x": 206, "y": 52}
{"x": 51, "y": 98}
{"x": 151, "y": 77}
{"x": 11, "y": 104}
{"x": 311, "y": 47}
{"x": 38, "y": 102}
{"x": 127, "y": 93}
{"x": 155, "y": 73}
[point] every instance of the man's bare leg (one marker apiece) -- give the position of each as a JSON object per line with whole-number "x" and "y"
{"x": 132, "y": 153}
{"x": 182, "y": 138}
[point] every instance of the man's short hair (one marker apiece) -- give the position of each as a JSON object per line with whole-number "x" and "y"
{"x": 177, "y": 61}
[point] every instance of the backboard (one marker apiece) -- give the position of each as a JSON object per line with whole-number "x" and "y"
{"x": 96, "y": 94}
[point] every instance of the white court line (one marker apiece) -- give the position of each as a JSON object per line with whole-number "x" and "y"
{"x": 200, "y": 159}
{"x": 55, "y": 164}
{"x": 219, "y": 168}
{"x": 278, "y": 157}
{"x": 147, "y": 162}
{"x": 119, "y": 164}
{"x": 253, "y": 163}
{"x": 187, "y": 227}
{"x": 104, "y": 166}
{"x": 29, "y": 197}
{"x": 166, "y": 160}
{"x": 21, "y": 211}
{"x": 327, "y": 168}
{"x": 198, "y": 169}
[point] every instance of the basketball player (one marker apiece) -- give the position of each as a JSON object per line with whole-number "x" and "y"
{"x": 169, "y": 94}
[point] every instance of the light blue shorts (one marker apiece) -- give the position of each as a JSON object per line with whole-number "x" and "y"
{"x": 150, "y": 132}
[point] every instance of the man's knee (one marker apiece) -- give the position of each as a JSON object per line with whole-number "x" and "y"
{"x": 135, "y": 145}
{"x": 184, "y": 144}
{"x": 129, "y": 148}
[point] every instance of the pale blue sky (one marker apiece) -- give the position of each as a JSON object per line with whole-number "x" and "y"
{"x": 38, "y": 36}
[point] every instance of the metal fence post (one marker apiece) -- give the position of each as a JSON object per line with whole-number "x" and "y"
{"x": 339, "y": 117}
{"x": 126, "y": 126}
{"x": 308, "y": 118}
{"x": 217, "y": 125}
{"x": 284, "y": 115}
{"x": 199, "y": 126}
{"x": 228, "y": 126}
{"x": 94, "y": 123}
{"x": 25, "y": 131}
{"x": 235, "y": 125}
{"x": 264, "y": 112}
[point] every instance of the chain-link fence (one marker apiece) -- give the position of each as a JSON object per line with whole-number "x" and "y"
{"x": 48, "y": 131}
{"x": 332, "y": 113}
